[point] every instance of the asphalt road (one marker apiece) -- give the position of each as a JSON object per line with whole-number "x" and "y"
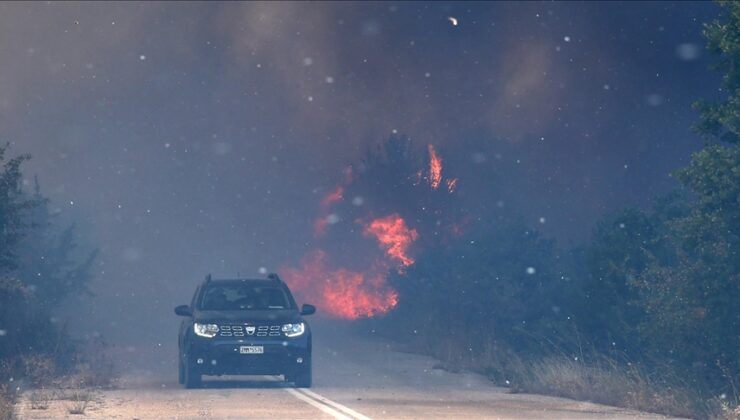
{"x": 355, "y": 377}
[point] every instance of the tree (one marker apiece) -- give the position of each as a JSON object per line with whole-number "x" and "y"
{"x": 666, "y": 281}
{"x": 494, "y": 288}
{"x": 623, "y": 246}
{"x": 37, "y": 269}
{"x": 722, "y": 120}
{"x": 14, "y": 204}
{"x": 692, "y": 302}
{"x": 47, "y": 258}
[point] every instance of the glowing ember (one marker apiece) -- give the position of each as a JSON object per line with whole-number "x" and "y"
{"x": 394, "y": 237}
{"x": 416, "y": 180}
{"x": 451, "y": 185}
{"x": 435, "y": 168}
{"x": 332, "y": 197}
{"x": 340, "y": 292}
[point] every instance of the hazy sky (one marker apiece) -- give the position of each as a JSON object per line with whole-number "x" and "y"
{"x": 188, "y": 138}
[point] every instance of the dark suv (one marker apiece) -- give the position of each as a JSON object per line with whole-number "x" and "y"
{"x": 244, "y": 327}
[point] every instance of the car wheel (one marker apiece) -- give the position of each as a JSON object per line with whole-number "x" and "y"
{"x": 192, "y": 377}
{"x": 303, "y": 378}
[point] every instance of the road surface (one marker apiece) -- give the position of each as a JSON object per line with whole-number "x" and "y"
{"x": 355, "y": 377}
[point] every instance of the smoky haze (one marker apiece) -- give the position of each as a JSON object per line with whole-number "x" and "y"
{"x": 193, "y": 138}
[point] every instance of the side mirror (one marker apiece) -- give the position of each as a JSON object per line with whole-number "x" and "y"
{"x": 183, "y": 310}
{"x": 308, "y": 309}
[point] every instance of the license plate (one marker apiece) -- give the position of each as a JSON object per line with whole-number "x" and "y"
{"x": 251, "y": 349}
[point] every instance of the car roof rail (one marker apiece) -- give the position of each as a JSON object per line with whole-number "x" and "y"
{"x": 274, "y": 277}
{"x": 208, "y": 278}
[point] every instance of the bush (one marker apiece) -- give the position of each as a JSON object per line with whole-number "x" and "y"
{"x": 80, "y": 400}
{"x": 494, "y": 288}
{"x": 608, "y": 383}
{"x": 38, "y": 369}
{"x": 39, "y": 399}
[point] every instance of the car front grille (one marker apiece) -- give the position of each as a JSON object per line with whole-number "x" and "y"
{"x": 247, "y": 330}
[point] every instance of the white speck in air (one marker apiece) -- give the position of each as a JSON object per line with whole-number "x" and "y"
{"x": 332, "y": 219}
{"x": 654, "y": 99}
{"x": 688, "y": 51}
{"x": 531, "y": 270}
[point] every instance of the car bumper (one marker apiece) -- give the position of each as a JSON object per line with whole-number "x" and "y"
{"x": 223, "y": 357}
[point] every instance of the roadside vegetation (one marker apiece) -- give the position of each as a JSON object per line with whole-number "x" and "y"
{"x": 40, "y": 265}
{"x": 645, "y": 315}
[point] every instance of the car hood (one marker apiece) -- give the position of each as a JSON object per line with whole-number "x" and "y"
{"x": 273, "y": 315}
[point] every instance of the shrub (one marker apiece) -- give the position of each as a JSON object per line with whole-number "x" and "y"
{"x": 80, "y": 400}
{"x": 38, "y": 369}
{"x": 39, "y": 399}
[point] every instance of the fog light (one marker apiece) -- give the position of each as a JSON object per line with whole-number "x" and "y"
{"x": 199, "y": 361}
{"x": 299, "y": 360}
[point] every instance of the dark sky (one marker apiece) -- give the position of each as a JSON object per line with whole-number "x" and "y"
{"x": 187, "y": 138}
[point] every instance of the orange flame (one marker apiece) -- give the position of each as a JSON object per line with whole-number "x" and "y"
{"x": 344, "y": 293}
{"x": 340, "y": 292}
{"x": 435, "y": 168}
{"x": 394, "y": 237}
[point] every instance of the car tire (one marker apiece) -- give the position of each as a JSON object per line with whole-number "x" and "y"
{"x": 192, "y": 378}
{"x": 303, "y": 378}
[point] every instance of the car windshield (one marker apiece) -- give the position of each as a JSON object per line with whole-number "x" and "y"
{"x": 236, "y": 297}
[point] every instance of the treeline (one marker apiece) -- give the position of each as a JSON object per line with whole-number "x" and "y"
{"x": 653, "y": 297}
{"x": 40, "y": 265}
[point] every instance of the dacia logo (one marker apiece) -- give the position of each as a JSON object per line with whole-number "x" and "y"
{"x": 251, "y": 329}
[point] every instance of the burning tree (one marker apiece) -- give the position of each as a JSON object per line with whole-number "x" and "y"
{"x": 386, "y": 208}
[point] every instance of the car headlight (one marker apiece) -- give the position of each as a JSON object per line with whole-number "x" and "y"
{"x": 205, "y": 330}
{"x": 294, "y": 330}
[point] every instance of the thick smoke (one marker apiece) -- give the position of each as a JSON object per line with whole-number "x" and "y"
{"x": 203, "y": 137}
